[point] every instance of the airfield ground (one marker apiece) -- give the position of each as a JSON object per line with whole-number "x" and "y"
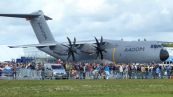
{"x": 87, "y": 88}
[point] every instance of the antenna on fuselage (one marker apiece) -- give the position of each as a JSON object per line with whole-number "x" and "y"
{"x": 145, "y": 39}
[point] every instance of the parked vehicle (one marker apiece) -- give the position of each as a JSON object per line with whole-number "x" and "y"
{"x": 55, "y": 71}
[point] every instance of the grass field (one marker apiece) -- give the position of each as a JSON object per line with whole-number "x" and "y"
{"x": 86, "y": 88}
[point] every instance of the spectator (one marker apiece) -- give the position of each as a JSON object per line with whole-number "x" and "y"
{"x": 121, "y": 71}
{"x": 96, "y": 71}
{"x": 143, "y": 72}
{"x": 107, "y": 71}
{"x": 14, "y": 69}
{"x": 158, "y": 71}
{"x": 42, "y": 73}
{"x": 0, "y": 70}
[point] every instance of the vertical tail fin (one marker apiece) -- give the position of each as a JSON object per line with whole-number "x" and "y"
{"x": 39, "y": 25}
{"x": 41, "y": 28}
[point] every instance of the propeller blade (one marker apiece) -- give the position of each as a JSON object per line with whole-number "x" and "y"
{"x": 65, "y": 45}
{"x": 105, "y": 51}
{"x": 69, "y": 41}
{"x": 73, "y": 57}
{"x": 101, "y": 53}
{"x": 98, "y": 54}
{"x": 101, "y": 41}
{"x": 69, "y": 55}
{"x": 74, "y": 42}
{"x": 97, "y": 42}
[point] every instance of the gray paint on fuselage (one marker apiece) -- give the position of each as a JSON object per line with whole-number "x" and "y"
{"x": 121, "y": 54}
{"x": 147, "y": 54}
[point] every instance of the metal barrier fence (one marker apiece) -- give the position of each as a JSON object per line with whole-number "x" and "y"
{"x": 28, "y": 74}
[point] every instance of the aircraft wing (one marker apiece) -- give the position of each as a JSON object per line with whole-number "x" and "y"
{"x": 81, "y": 42}
{"x": 33, "y": 45}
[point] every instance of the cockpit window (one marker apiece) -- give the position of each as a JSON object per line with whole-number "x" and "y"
{"x": 156, "y": 46}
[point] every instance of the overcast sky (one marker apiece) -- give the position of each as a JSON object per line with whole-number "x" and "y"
{"x": 84, "y": 19}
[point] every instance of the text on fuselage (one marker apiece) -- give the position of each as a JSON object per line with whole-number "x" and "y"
{"x": 133, "y": 49}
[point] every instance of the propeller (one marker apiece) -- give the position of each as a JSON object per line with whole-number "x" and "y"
{"x": 100, "y": 47}
{"x": 71, "y": 48}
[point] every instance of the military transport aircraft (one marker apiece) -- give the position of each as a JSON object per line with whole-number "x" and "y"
{"x": 113, "y": 50}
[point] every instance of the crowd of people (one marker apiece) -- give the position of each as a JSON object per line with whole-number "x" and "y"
{"x": 118, "y": 71}
{"x": 16, "y": 70}
{"x": 93, "y": 70}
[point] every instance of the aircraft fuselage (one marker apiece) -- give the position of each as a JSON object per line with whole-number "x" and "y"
{"x": 119, "y": 52}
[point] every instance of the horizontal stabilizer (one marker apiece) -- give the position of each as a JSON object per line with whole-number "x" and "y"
{"x": 34, "y": 45}
{"x": 27, "y": 16}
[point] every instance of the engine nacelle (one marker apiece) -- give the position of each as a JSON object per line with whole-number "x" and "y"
{"x": 88, "y": 49}
{"x": 58, "y": 49}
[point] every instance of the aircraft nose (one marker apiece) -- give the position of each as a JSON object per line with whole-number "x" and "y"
{"x": 164, "y": 55}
